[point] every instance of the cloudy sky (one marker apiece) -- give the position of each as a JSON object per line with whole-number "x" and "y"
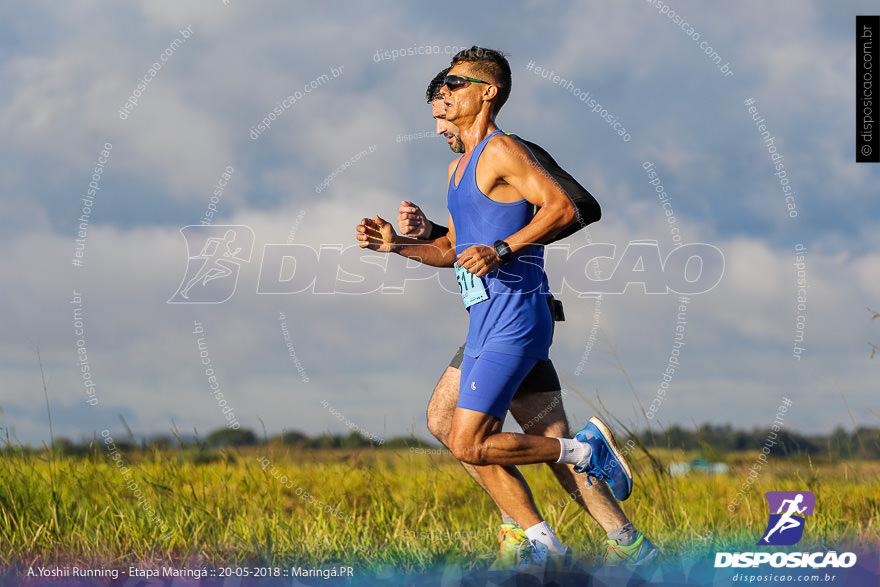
{"x": 88, "y": 276}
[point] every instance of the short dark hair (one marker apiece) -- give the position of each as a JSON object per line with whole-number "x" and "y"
{"x": 433, "y": 92}
{"x": 490, "y": 65}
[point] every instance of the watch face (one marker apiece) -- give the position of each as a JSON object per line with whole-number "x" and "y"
{"x": 502, "y": 249}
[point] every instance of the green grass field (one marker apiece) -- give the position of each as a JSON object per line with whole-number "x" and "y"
{"x": 377, "y": 509}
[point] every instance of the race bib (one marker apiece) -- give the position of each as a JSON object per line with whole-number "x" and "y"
{"x": 472, "y": 289}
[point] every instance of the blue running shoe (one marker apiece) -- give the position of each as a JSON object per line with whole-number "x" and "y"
{"x": 606, "y": 461}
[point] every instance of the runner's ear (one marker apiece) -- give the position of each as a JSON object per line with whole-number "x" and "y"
{"x": 490, "y": 93}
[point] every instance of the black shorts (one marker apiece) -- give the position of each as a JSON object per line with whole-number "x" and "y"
{"x": 541, "y": 378}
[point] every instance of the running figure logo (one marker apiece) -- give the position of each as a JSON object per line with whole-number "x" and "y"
{"x": 212, "y": 274}
{"x": 786, "y": 525}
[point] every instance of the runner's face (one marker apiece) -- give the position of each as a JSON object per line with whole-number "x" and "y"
{"x": 465, "y": 100}
{"x": 446, "y": 128}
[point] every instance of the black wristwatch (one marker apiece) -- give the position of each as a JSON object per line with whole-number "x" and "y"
{"x": 502, "y": 249}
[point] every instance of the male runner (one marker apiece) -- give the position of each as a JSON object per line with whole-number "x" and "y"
{"x": 537, "y": 405}
{"x": 510, "y": 323}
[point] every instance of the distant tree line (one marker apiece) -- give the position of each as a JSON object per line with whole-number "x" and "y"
{"x": 863, "y": 443}
{"x": 228, "y": 438}
{"x": 714, "y": 442}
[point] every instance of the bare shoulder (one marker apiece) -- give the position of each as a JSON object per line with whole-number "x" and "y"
{"x": 506, "y": 150}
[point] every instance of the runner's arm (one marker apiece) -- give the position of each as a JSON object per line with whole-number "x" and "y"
{"x": 514, "y": 164}
{"x": 378, "y": 235}
{"x": 509, "y": 161}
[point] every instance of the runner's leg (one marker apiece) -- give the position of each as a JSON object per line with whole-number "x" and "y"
{"x": 543, "y": 414}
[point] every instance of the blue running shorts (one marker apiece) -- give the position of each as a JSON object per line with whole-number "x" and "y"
{"x": 489, "y": 381}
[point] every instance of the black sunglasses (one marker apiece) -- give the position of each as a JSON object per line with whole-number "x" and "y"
{"x": 453, "y": 82}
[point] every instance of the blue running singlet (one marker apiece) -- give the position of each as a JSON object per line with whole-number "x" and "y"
{"x": 515, "y": 319}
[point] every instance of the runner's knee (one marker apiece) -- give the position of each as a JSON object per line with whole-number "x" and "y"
{"x": 468, "y": 450}
{"x": 438, "y": 425}
{"x": 441, "y": 407}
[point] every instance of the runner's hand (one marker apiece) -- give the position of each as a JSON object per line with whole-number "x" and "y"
{"x": 412, "y": 222}
{"x": 479, "y": 260}
{"x": 376, "y": 235}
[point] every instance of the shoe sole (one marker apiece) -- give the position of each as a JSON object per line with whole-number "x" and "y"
{"x": 609, "y": 438}
{"x": 649, "y": 558}
{"x": 647, "y": 547}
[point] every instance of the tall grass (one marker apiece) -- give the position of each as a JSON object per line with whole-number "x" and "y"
{"x": 402, "y": 509}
